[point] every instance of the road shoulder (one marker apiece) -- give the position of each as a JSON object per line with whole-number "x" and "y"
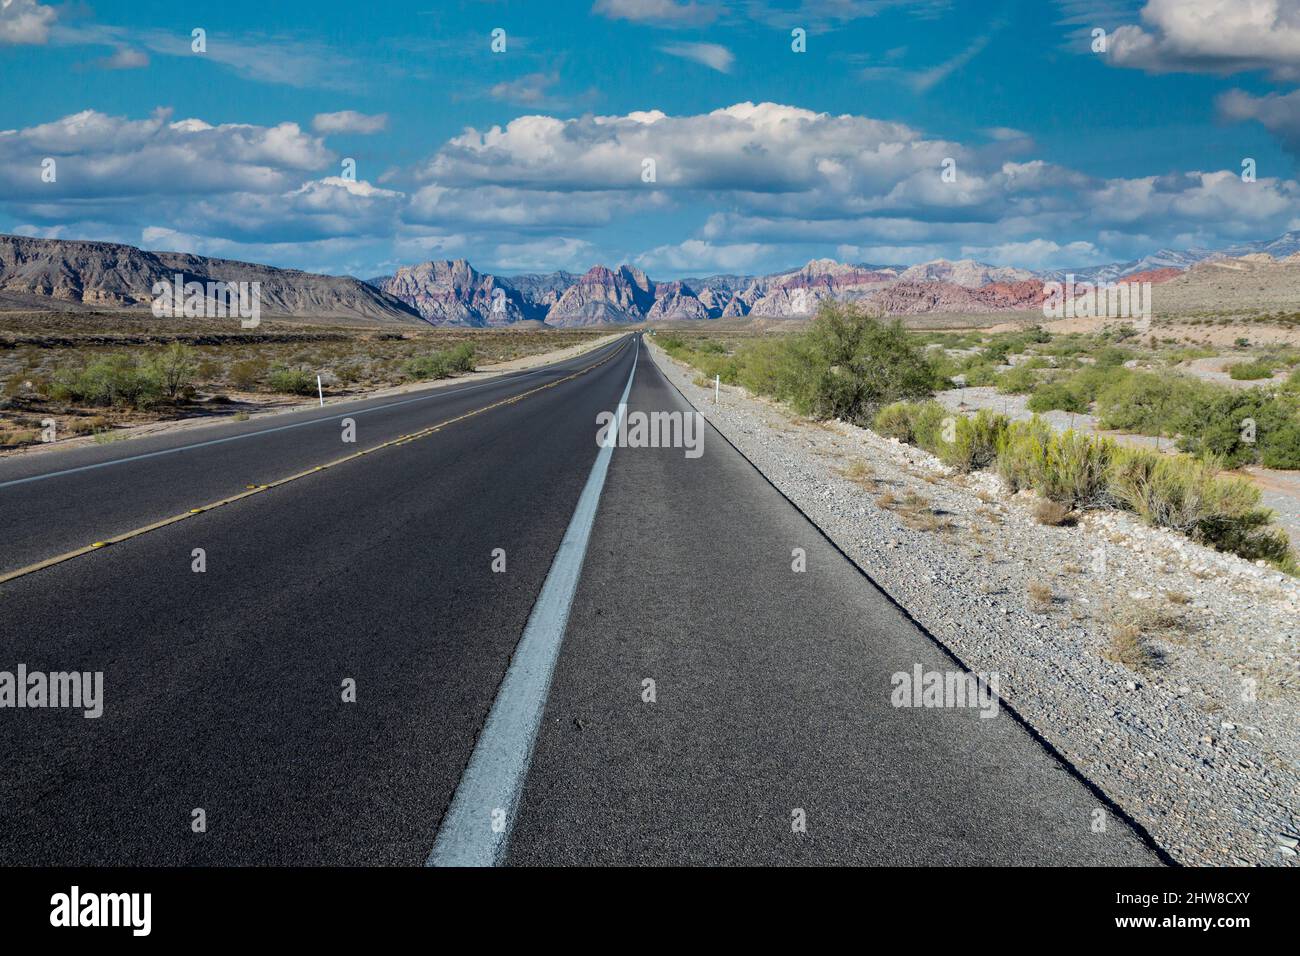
{"x": 1210, "y": 774}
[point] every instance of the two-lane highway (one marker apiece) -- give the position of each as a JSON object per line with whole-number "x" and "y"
{"x": 768, "y": 735}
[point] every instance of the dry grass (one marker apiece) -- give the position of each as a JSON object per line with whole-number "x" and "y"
{"x": 916, "y": 512}
{"x": 1130, "y": 647}
{"x": 1039, "y": 597}
{"x": 1052, "y": 513}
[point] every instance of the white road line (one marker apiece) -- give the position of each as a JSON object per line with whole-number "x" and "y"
{"x": 439, "y": 393}
{"x": 476, "y": 829}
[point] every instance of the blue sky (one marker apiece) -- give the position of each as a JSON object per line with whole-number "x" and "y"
{"x": 533, "y": 158}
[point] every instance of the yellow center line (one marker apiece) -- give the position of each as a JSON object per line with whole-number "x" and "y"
{"x": 258, "y": 489}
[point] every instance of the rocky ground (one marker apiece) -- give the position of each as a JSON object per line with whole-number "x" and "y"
{"x": 1167, "y": 673}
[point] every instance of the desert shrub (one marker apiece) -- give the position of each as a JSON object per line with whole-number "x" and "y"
{"x": 1017, "y": 381}
{"x": 114, "y": 380}
{"x": 1021, "y": 452}
{"x": 1250, "y": 371}
{"x": 1058, "y": 396}
{"x": 1145, "y": 402}
{"x": 1069, "y": 468}
{"x": 975, "y": 441}
{"x": 980, "y": 373}
{"x": 1189, "y": 495}
{"x": 1051, "y": 513}
{"x": 770, "y": 367}
{"x": 895, "y": 421}
{"x": 1091, "y": 381}
{"x": 857, "y": 364}
{"x": 175, "y": 368}
{"x": 1214, "y": 422}
{"x": 1075, "y": 470}
{"x": 246, "y": 374}
{"x": 14, "y": 438}
{"x": 927, "y": 425}
{"x": 1281, "y": 447}
{"x": 293, "y": 381}
{"x": 432, "y": 365}
{"x": 1112, "y": 357}
{"x": 461, "y": 358}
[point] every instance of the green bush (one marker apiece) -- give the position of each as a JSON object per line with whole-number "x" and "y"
{"x": 1214, "y": 422}
{"x": 431, "y": 366}
{"x": 975, "y": 441}
{"x": 1057, "y": 396}
{"x": 895, "y": 421}
{"x": 1281, "y": 447}
{"x": 1017, "y": 381}
{"x": 1112, "y": 357}
{"x": 175, "y": 368}
{"x": 293, "y": 381}
{"x": 1022, "y": 451}
{"x": 1188, "y": 495}
{"x": 1075, "y": 470}
{"x": 116, "y": 380}
{"x": 461, "y": 358}
{"x": 1069, "y": 468}
{"x": 1147, "y": 403}
{"x": 246, "y": 374}
{"x": 927, "y": 426}
{"x": 855, "y": 364}
{"x": 1250, "y": 371}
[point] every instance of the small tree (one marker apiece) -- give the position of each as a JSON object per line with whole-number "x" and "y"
{"x": 860, "y": 364}
{"x": 175, "y": 367}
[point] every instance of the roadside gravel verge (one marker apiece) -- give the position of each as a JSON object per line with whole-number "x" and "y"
{"x": 1166, "y": 672}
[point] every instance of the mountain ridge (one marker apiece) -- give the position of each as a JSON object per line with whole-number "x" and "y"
{"x": 452, "y": 292}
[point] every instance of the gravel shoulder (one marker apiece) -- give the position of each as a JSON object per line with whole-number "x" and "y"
{"x": 1197, "y": 737}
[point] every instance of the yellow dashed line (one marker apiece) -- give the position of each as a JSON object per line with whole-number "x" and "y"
{"x": 258, "y": 489}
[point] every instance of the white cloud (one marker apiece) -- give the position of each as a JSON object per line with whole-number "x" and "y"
{"x": 700, "y": 256}
{"x": 543, "y": 255}
{"x": 125, "y": 58}
{"x": 1036, "y": 254}
{"x": 1277, "y": 112}
{"x": 928, "y": 79}
{"x": 657, "y": 12}
{"x": 712, "y": 55}
{"x": 349, "y": 121}
{"x": 530, "y": 90}
{"x": 113, "y": 157}
{"x": 1211, "y": 36}
{"x": 25, "y": 22}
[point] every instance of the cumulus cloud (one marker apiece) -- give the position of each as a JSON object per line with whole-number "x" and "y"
{"x": 25, "y": 22}
{"x": 712, "y": 55}
{"x": 111, "y": 156}
{"x": 349, "y": 121}
{"x": 1211, "y": 36}
{"x": 745, "y": 188}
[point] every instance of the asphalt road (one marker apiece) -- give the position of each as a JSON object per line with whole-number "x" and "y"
{"x": 223, "y": 689}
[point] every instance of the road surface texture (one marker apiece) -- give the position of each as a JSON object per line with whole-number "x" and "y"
{"x": 223, "y": 690}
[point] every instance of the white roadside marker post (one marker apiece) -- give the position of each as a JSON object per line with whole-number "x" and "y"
{"x": 717, "y": 379}
{"x": 320, "y": 390}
